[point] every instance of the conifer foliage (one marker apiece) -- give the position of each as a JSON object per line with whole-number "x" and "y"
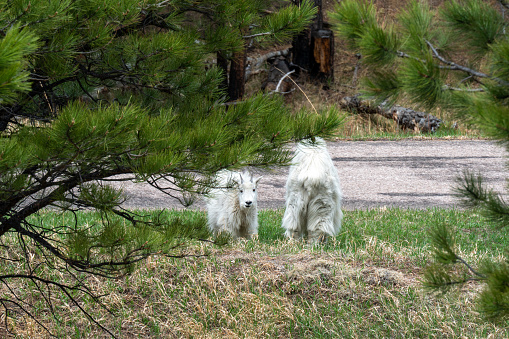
{"x": 99, "y": 90}
{"x": 252, "y": 23}
{"x": 455, "y": 57}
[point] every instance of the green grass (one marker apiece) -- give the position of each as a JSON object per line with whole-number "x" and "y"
{"x": 401, "y": 228}
{"x": 448, "y": 134}
{"x": 363, "y": 283}
{"x": 361, "y": 128}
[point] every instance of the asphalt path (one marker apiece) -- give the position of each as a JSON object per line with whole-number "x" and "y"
{"x": 416, "y": 174}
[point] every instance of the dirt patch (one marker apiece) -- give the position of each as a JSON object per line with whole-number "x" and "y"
{"x": 308, "y": 268}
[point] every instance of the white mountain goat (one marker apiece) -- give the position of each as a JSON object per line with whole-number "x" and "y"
{"x": 313, "y": 194}
{"x": 232, "y": 207}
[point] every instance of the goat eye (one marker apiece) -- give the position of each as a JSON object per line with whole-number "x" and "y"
{"x": 241, "y": 191}
{"x": 254, "y": 190}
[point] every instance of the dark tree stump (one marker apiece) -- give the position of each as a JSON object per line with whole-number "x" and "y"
{"x": 323, "y": 55}
{"x": 301, "y": 55}
{"x": 313, "y": 49}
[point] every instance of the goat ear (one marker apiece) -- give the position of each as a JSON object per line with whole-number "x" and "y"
{"x": 257, "y": 179}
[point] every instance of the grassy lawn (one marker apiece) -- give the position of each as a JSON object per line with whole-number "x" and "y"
{"x": 364, "y": 283}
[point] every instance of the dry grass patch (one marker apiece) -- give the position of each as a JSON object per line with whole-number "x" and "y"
{"x": 364, "y": 283}
{"x": 237, "y": 294}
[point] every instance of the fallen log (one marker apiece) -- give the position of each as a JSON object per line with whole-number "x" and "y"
{"x": 406, "y": 118}
{"x": 254, "y": 65}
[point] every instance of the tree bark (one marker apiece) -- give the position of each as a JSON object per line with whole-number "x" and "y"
{"x": 313, "y": 49}
{"x": 222, "y": 63}
{"x": 301, "y": 55}
{"x": 323, "y": 55}
{"x": 237, "y": 79}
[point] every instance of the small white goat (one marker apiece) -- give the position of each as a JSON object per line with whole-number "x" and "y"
{"x": 313, "y": 194}
{"x": 232, "y": 207}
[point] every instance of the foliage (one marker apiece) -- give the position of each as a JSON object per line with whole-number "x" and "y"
{"x": 243, "y": 24}
{"x": 242, "y": 21}
{"x": 454, "y": 57}
{"x": 99, "y": 91}
{"x": 13, "y": 48}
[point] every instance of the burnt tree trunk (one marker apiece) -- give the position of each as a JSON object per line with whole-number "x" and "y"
{"x": 222, "y": 63}
{"x": 301, "y": 55}
{"x": 237, "y": 79}
{"x": 313, "y": 49}
{"x": 323, "y": 55}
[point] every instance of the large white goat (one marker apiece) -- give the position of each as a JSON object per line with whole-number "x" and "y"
{"x": 232, "y": 207}
{"x": 313, "y": 194}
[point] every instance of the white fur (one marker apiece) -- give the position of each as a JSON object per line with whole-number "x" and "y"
{"x": 232, "y": 207}
{"x": 313, "y": 194}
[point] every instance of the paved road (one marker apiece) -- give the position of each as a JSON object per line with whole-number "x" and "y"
{"x": 409, "y": 174}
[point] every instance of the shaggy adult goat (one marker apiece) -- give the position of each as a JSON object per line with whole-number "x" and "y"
{"x": 313, "y": 194}
{"x": 232, "y": 207}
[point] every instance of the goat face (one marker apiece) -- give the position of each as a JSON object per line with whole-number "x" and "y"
{"x": 247, "y": 189}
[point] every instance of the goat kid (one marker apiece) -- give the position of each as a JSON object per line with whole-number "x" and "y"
{"x": 232, "y": 207}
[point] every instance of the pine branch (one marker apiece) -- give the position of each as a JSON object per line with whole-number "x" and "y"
{"x": 471, "y": 269}
{"x": 21, "y": 307}
{"x": 471, "y": 190}
{"x": 470, "y": 90}
{"x": 453, "y": 66}
{"x": 453, "y": 282}
{"x": 161, "y": 4}
{"x": 107, "y": 269}
{"x": 56, "y": 165}
{"x": 66, "y": 289}
{"x": 480, "y": 26}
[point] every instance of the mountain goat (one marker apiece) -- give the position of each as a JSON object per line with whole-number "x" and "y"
{"x": 313, "y": 194}
{"x": 232, "y": 207}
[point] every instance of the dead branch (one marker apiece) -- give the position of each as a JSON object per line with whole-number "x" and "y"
{"x": 405, "y": 117}
{"x": 254, "y": 64}
{"x": 283, "y": 78}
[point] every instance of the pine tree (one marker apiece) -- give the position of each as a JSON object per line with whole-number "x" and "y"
{"x": 457, "y": 58}
{"x": 93, "y": 89}
{"x": 245, "y": 23}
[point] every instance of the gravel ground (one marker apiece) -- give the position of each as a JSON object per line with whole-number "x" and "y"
{"x": 415, "y": 174}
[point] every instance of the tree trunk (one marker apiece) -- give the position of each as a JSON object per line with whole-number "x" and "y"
{"x": 323, "y": 55}
{"x": 222, "y": 63}
{"x": 301, "y": 54}
{"x": 313, "y": 49}
{"x": 237, "y": 79}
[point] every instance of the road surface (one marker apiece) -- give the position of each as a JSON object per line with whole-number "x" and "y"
{"x": 415, "y": 174}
